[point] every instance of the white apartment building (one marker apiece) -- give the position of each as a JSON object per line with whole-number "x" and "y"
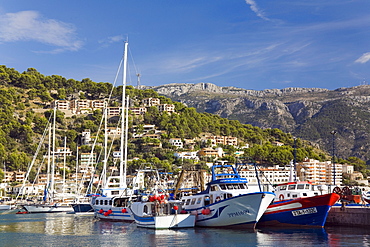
{"x": 87, "y": 162}
{"x": 267, "y": 176}
{"x": 187, "y": 155}
{"x": 86, "y": 137}
{"x": 177, "y": 142}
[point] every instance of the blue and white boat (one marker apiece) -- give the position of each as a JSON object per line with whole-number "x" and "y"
{"x": 227, "y": 201}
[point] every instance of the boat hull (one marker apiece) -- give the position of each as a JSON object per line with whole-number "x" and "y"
{"x": 302, "y": 212}
{"x": 117, "y": 214}
{"x": 174, "y": 221}
{"x": 5, "y": 207}
{"x": 82, "y": 208}
{"x": 242, "y": 211}
{"x": 32, "y": 208}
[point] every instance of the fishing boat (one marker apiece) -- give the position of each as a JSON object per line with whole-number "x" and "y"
{"x": 156, "y": 208}
{"x": 297, "y": 204}
{"x": 157, "y": 212}
{"x": 227, "y": 201}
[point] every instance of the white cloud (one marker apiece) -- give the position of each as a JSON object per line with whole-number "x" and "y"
{"x": 364, "y": 58}
{"x": 30, "y": 26}
{"x": 256, "y": 10}
{"x": 112, "y": 39}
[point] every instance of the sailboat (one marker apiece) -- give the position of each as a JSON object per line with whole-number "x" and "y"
{"x": 50, "y": 205}
{"x": 115, "y": 195}
{"x": 82, "y": 204}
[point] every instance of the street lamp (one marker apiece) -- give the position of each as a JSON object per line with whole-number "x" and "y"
{"x": 333, "y": 154}
{"x": 295, "y": 159}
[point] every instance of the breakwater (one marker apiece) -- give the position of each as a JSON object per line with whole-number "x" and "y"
{"x": 348, "y": 216}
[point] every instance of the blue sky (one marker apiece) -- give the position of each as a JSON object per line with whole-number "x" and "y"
{"x": 251, "y": 44}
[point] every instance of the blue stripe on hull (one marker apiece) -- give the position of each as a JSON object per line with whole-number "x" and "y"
{"x": 287, "y": 219}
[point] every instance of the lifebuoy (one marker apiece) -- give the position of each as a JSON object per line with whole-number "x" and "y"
{"x": 218, "y": 199}
{"x": 281, "y": 197}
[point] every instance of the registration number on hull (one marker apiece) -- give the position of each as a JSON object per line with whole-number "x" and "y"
{"x": 304, "y": 211}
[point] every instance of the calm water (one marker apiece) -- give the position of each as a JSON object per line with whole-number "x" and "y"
{"x": 71, "y": 230}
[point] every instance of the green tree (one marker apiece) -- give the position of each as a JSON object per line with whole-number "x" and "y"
{"x": 1, "y": 175}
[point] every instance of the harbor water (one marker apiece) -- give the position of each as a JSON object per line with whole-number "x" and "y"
{"x": 62, "y": 229}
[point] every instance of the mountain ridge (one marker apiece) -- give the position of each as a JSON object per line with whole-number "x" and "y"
{"x": 310, "y": 113}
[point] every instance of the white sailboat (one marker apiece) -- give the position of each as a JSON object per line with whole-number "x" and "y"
{"x": 114, "y": 201}
{"x": 49, "y": 205}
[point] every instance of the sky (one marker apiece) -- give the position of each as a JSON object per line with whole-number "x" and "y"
{"x": 250, "y": 44}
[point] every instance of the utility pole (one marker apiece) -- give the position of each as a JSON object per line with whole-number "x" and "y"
{"x": 333, "y": 154}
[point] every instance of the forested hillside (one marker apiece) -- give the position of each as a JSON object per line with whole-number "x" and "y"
{"x": 25, "y": 111}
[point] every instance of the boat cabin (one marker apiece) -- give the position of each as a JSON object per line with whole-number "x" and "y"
{"x": 149, "y": 209}
{"x": 213, "y": 194}
{"x": 293, "y": 190}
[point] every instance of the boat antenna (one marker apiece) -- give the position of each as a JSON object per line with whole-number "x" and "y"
{"x": 295, "y": 159}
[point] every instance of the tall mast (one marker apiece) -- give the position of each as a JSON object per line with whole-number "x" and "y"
{"x": 53, "y": 157}
{"x": 48, "y": 168}
{"x": 64, "y": 164}
{"x": 122, "y": 175}
{"x": 126, "y": 139}
{"x": 77, "y": 171}
{"x": 104, "y": 178}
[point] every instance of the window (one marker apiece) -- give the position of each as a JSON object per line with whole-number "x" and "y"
{"x": 187, "y": 201}
{"x": 199, "y": 200}
{"x": 300, "y": 186}
{"x": 105, "y": 202}
{"x": 283, "y": 187}
{"x": 291, "y": 187}
{"x": 206, "y": 200}
{"x": 115, "y": 192}
{"x": 193, "y": 201}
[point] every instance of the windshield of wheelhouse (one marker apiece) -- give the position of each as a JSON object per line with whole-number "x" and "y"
{"x": 233, "y": 186}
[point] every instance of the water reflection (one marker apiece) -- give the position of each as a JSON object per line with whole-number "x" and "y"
{"x": 298, "y": 236}
{"x": 70, "y": 230}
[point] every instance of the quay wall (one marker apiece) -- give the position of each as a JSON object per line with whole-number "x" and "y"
{"x": 348, "y": 216}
